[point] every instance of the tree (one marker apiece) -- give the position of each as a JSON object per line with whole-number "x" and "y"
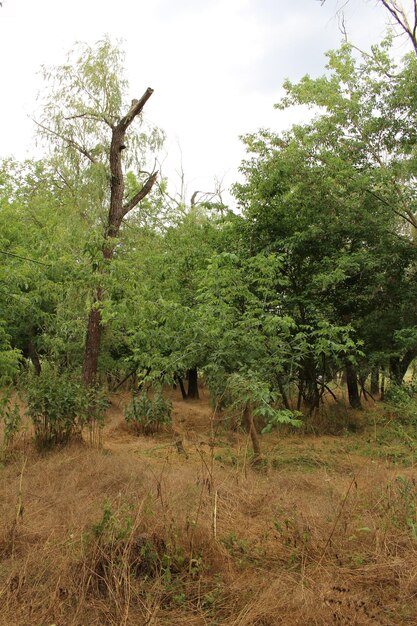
{"x": 335, "y": 197}
{"x": 90, "y": 136}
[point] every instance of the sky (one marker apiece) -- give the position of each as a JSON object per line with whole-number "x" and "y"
{"x": 216, "y": 67}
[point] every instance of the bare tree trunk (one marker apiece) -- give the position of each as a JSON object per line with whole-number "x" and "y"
{"x": 117, "y": 211}
{"x": 34, "y": 357}
{"x": 179, "y": 380}
{"x": 250, "y": 427}
{"x": 352, "y": 385}
{"x": 193, "y": 384}
{"x": 383, "y": 385}
{"x": 283, "y": 393}
{"x": 375, "y": 381}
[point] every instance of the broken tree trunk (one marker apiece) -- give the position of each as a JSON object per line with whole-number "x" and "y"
{"x": 117, "y": 211}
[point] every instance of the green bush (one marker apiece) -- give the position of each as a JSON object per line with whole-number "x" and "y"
{"x": 10, "y": 416}
{"x": 403, "y": 401}
{"x": 56, "y": 404}
{"x": 146, "y": 415}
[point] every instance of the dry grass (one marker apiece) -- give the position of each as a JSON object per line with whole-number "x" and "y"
{"x": 126, "y": 535}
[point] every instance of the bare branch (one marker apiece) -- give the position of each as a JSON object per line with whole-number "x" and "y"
{"x": 90, "y": 116}
{"x": 135, "y": 109}
{"x": 140, "y": 194}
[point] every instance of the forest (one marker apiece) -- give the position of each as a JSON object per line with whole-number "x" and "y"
{"x": 208, "y": 410}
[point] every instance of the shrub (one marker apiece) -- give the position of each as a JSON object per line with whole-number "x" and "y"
{"x": 10, "y": 416}
{"x": 56, "y": 403}
{"x": 403, "y": 401}
{"x": 146, "y": 415}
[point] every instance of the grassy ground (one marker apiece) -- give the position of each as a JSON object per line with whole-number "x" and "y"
{"x": 143, "y": 531}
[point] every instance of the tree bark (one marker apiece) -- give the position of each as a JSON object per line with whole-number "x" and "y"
{"x": 352, "y": 385}
{"x": 192, "y": 391}
{"x": 179, "y": 380}
{"x": 117, "y": 211}
{"x": 399, "y": 367}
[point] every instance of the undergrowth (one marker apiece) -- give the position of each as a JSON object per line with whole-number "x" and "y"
{"x": 327, "y": 534}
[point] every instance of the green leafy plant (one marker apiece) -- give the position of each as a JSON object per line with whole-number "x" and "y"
{"x": 10, "y": 415}
{"x": 246, "y": 389}
{"x": 146, "y": 415}
{"x": 403, "y": 400}
{"x": 56, "y": 403}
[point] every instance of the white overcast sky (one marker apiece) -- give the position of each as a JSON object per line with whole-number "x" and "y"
{"x": 216, "y": 66}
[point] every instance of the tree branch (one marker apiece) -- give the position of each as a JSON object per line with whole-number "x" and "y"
{"x": 135, "y": 109}
{"x": 68, "y": 141}
{"x": 141, "y": 194}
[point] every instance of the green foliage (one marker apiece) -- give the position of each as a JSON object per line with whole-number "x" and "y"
{"x": 335, "y": 198}
{"x": 146, "y": 415}
{"x": 402, "y": 399}
{"x": 113, "y": 526}
{"x": 10, "y": 415}
{"x": 246, "y": 390}
{"x": 56, "y": 404}
{"x": 9, "y": 357}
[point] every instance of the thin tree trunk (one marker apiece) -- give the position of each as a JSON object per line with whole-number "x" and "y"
{"x": 300, "y": 393}
{"x": 179, "y": 380}
{"x": 250, "y": 427}
{"x": 375, "y": 381}
{"x": 34, "y": 357}
{"x": 352, "y": 385}
{"x": 283, "y": 394}
{"x": 383, "y": 385}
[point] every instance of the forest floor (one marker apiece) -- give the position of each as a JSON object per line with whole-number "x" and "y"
{"x": 180, "y": 528}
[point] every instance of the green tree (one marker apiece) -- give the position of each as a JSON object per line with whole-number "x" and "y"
{"x": 90, "y": 129}
{"x": 335, "y": 198}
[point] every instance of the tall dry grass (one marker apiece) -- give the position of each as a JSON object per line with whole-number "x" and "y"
{"x": 142, "y": 535}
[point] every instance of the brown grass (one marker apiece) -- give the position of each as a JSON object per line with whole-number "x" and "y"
{"x": 126, "y": 536}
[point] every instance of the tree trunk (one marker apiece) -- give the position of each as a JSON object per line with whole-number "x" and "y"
{"x": 283, "y": 393}
{"x": 352, "y": 385}
{"x": 92, "y": 343}
{"x": 34, "y": 357}
{"x": 383, "y": 385}
{"x": 399, "y": 367}
{"x": 250, "y": 427}
{"x": 193, "y": 384}
{"x": 375, "y": 381}
{"x": 311, "y": 392}
{"x": 117, "y": 211}
{"x": 179, "y": 380}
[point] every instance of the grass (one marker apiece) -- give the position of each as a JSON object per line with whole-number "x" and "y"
{"x": 137, "y": 533}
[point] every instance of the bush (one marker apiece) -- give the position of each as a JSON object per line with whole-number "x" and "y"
{"x": 56, "y": 404}
{"x": 146, "y": 415}
{"x": 403, "y": 401}
{"x": 10, "y": 416}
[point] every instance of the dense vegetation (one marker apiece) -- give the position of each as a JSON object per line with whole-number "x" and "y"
{"x": 307, "y": 284}
{"x": 105, "y": 277}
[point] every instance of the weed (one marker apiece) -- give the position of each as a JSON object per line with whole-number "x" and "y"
{"x": 55, "y": 402}
{"x": 146, "y": 415}
{"x": 402, "y": 400}
{"x": 10, "y": 415}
